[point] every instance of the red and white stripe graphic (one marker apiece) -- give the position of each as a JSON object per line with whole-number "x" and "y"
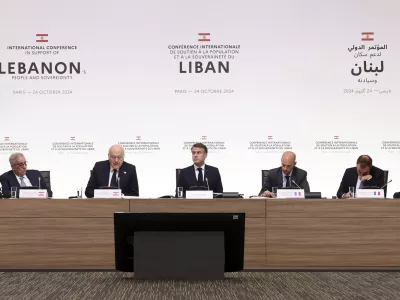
{"x": 204, "y": 37}
{"x": 42, "y": 38}
{"x": 367, "y": 36}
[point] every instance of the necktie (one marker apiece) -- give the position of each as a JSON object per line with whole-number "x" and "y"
{"x": 361, "y": 185}
{"x": 200, "y": 181}
{"x": 114, "y": 179}
{"x": 287, "y": 181}
{"x": 23, "y": 184}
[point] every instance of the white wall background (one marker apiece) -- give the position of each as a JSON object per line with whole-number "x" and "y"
{"x": 288, "y": 83}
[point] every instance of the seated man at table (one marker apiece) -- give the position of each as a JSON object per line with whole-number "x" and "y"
{"x": 114, "y": 172}
{"x": 362, "y": 175}
{"x": 19, "y": 177}
{"x": 284, "y": 176}
{"x": 199, "y": 174}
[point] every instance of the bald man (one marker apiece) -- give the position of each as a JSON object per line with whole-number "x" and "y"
{"x": 114, "y": 172}
{"x": 284, "y": 176}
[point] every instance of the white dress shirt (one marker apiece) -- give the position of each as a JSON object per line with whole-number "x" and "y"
{"x": 197, "y": 172}
{"x": 111, "y": 174}
{"x": 358, "y": 182}
{"x": 26, "y": 180}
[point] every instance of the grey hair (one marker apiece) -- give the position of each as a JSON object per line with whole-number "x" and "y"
{"x": 14, "y": 156}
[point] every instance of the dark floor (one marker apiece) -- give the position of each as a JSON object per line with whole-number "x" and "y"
{"x": 246, "y": 285}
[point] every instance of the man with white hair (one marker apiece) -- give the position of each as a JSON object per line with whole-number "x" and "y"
{"x": 19, "y": 176}
{"x": 114, "y": 172}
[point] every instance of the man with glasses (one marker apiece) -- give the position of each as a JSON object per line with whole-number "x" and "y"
{"x": 114, "y": 172}
{"x": 19, "y": 176}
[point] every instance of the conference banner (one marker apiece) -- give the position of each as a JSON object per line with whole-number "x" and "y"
{"x": 250, "y": 79}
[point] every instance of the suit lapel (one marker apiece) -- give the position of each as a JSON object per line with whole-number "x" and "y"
{"x": 34, "y": 181}
{"x": 14, "y": 181}
{"x": 279, "y": 177}
{"x": 105, "y": 174}
{"x": 354, "y": 178}
{"x": 294, "y": 177}
{"x": 122, "y": 173}
{"x": 193, "y": 176}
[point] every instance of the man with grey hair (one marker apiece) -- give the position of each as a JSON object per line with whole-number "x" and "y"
{"x": 19, "y": 176}
{"x": 114, "y": 172}
{"x": 286, "y": 176}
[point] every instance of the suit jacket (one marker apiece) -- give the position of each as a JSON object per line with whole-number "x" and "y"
{"x": 187, "y": 178}
{"x": 275, "y": 178}
{"x": 101, "y": 174}
{"x": 9, "y": 180}
{"x": 350, "y": 178}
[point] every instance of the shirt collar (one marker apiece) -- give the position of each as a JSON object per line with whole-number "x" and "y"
{"x": 25, "y": 177}
{"x": 112, "y": 169}
{"x": 284, "y": 175}
{"x": 196, "y": 167}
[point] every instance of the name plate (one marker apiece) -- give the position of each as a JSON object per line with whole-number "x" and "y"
{"x": 199, "y": 194}
{"x": 283, "y": 193}
{"x": 32, "y": 193}
{"x": 370, "y": 193}
{"x": 107, "y": 193}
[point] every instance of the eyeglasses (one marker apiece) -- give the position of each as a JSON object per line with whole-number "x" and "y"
{"x": 21, "y": 164}
{"x": 116, "y": 157}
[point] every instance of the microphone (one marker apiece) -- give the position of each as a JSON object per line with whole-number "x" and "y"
{"x": 296, "y": 184}
{"x": 208, "y": 187}
{"x": 118, "y": 183}
{"x": 39, "y": 183}
{"x": 386, "y": 184}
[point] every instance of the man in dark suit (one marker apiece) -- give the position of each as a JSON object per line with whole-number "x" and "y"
{"x": 200, "y": 174}
{"x": 19, "y": 177}
{"x": 363, "y": 175}
{"x": 284, "y": 176}
{"x": 114, "y": 172}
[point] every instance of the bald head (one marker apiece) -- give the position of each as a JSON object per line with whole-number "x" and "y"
{"x": 289, "y": 156}
{"x": 288, "y": 162}
{"x": 116, "y": 155}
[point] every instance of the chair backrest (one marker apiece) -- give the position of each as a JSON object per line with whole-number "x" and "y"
{"x": 177, "y": 172}
{"x": 46, "y": 177}
{"x": 385, "y": 180}
{"x": 264, "y": 174}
